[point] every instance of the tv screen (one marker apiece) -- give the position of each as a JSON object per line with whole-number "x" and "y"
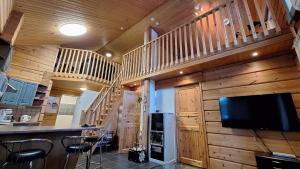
{"x": 266, "y": 112}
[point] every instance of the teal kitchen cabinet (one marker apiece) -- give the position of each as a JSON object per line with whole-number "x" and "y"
{"x": 23, "y": 96}
{"x": 27, "y": 94}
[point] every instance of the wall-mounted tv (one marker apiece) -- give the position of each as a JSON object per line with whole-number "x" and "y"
{"x": 266, "y": 112}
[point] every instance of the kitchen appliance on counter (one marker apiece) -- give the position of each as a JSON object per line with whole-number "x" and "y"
{"x": 25, "y": 118}
{"x": 6, "y": 115}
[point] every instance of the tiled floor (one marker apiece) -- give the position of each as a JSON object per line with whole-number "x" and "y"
{"x": 113, "y": 160}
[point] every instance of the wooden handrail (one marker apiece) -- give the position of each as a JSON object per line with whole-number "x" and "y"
{"x": 219, "y": 29}
{"x": 79, "y": 63}
{"x": 103, "y": 101}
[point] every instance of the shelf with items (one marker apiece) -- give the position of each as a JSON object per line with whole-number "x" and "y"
{"x": 40, "y": 95}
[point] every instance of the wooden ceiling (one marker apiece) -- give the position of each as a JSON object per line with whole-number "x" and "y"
{"x": 103, "y": 18}
{"x": 169, "y": 15}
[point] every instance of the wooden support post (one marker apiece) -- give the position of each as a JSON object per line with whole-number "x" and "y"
{"x": 12, "y": 27}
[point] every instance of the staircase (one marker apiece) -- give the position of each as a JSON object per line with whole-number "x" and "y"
{"x": 103, "y": 103}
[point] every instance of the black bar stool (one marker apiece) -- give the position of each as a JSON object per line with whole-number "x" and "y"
{"x": 79, "y": 145}
{"x": 18, "y": 154}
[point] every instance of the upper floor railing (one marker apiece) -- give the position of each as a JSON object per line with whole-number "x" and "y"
{"x": 85, "y": 64}
{"x": 231, "y": 25}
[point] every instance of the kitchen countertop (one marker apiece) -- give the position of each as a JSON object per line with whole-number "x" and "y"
{"x": 9, "y": 129}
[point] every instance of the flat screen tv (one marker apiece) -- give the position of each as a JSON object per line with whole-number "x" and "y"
{"x": 265, "y": 112}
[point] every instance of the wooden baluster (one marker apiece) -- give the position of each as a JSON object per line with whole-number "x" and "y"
{"x": 211, "y": 47}
{"x": 105, "y": 77}
{"x": 68, "y": 63}
{"x": 72, "y": 62}
{"x": 124, "y": 67}
{"x": 148, "y": 57}
{"x": 144, "y": 59}
{"x": 191, "y": 41}
{"x": 133, "y": 64}
{"x": 80, "y": 64}
{"x": 167, "y": 50}
{"x": 137, "y": 63}
{"x": 176, "y": 47}
{"x": 158, "y": 53}
{"x": 163, "y": 52}
{"x": 154, "y": 54}
{"x": 89, "y": 64}
{"x": 141, "y": 60}
{"x": 185, "y": 43}
{"x": 228, "y": 7}
{"x": 203, "y": 37}
{"x": 84, "y": 64}
{"x": 103, "y": 69}
{"x": 250, "y": 19}
{"x": 217, "y": 31}
{"x": 224, "y": 31}
{"x": 238, "y": 14}
{"x": 151, "y": 56}
{"x": 277, "y": 27}
{"x": 197, "y": 38}
{"x": 172, "y": 49}
{"x": 75, "y": 74}
{"x": 99, "y": 68}
{"x": 109, "y": 75}
{"x": 261, "y": 18}
{"x": 95, "y": 74}
{"x": 93, "y": 57}
{"x": 60, "y": 58}
{"x": 128, "y": 65}
{"x": 180, "y": 45}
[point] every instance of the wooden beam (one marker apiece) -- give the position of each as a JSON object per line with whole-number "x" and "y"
{"x": 12, "y": 27}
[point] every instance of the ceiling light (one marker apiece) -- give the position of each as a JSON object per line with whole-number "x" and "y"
{"x": 254, "y": 54}
{"x": 197, "y": 7}
{"x": 226, "y": 21}
{"x": 156, "y": 23}
{"x": 108, "y": 54}
{"x": 135, "y": 84}
{"x": 72, "y": 29}
{"x": 181, "y": 72}
{"x": 122, "y": 28}
{"x": 152, "y": 19}
{"x": 83, "y": 89}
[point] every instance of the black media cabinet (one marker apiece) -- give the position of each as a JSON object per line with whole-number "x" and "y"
{"x": 267, "y": 161}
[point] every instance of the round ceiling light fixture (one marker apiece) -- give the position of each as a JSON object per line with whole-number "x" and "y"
{"x": 108, "y": 54}
{"x": 72, "y": 29}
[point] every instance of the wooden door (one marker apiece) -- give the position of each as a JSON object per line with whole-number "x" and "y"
{"x": 130, "y": 121}
{"x": 191, "y": 144}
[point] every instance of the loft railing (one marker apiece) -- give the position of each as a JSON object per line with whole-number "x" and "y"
{"x": 228, "y": 26}
{"x": 85, "y": 64}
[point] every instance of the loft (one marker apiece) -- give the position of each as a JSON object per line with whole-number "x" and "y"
{"x": 145, "y": 81}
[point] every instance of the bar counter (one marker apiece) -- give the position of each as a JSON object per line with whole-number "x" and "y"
{"x": 56, "y": 158}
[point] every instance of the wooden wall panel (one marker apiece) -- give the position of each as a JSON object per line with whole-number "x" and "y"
{"x": 235, "y": 148}
{"x": 30, "y": 63}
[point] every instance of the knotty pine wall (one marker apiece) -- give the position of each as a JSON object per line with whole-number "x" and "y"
{"x": 235, "y": 148}
{"x": 30, "y": 63}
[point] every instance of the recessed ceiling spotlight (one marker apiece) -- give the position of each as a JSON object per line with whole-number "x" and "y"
{"x": 83, "y": 89}
{"x": 181, "y": 72}
{"x": 122, "y": 28}
{"x": 108, "y": 54}
{"x": 72, "y": 29}
{"x": 152, "y": 19}
{"x": 255, "y": 54}
{"x": 156, "y": 23}
{"x": 226, "y": 21}
{"x": 197, "y": 7}
{"x": 135, "y": 84}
